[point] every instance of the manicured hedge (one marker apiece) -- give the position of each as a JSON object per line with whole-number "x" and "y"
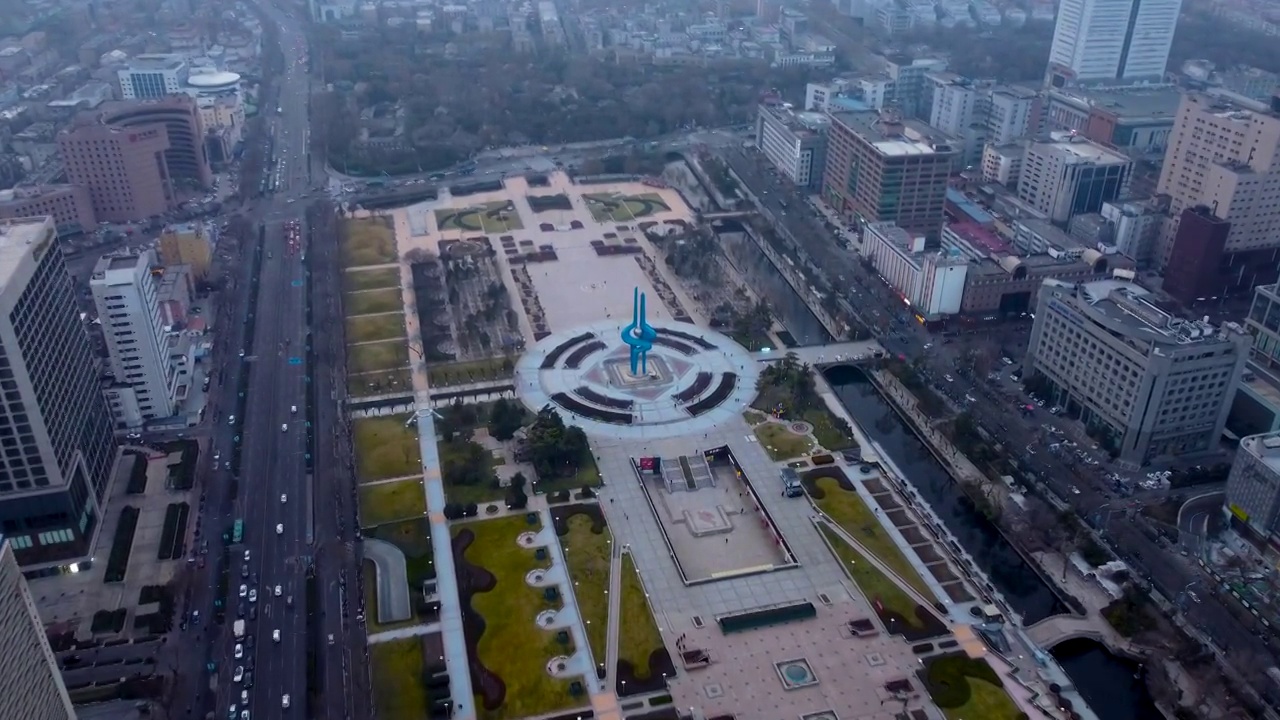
{"x": 137, "y": 474}
{"x": 173, "y": 537}
{"x": 121, "y": 545}
{"x": 105, "y": 621}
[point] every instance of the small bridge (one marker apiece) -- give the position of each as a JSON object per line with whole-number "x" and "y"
{"x": 839, "y": 353}
{"x": 1058, "y": 629}
{"x": 729, "y": 215}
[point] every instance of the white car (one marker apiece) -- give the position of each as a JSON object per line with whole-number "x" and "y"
{"x": 284, "y": 427}
{"x": 244, "y": 590}
{"x": 278, "y": 589}
{"x": 239, "y": 674}
{"x": 231, "y": 420}
{"x": 283, "y": 498}
{"x": 284, "y": 701}
{"x": 275, "y": 635}
{"x": 253, "y": 596}
{"x": 279, "y": 528}
{"x": 239, "y": 651}
{"x": 246, "y": 556}
{"x": 244, "y": 697}
{"x": 293, "y": 409}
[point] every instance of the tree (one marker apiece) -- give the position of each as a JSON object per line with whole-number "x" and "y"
{"x": 504, "y": 420}
{"x": 463, "y": 462}
{"x": 556, "y": 450}
{"x": 517, "y": 499}
{"x": 456, "y": 421}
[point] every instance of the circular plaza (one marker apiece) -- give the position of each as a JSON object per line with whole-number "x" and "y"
{"x": 692, "y": 379}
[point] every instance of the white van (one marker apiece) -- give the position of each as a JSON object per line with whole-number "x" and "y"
{"x": 293, "y": 409}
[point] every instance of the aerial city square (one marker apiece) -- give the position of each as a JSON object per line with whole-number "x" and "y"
{"x": 665, "y": 361}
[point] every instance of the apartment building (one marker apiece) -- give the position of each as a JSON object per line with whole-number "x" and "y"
{"x": 795, "y": 142}
{"x": 883, "y": 168}
{"x": 1070, "y": 175}
{"x": 148, "y": 77}
{"x": 1013, "y": 113}
{"x": 1148, "y": 383}
{"x": 59, "y": 449}
{"x": 70, "y": 206}
{"x": 960, "y": 108}
{"x": 30, "y": 679}
{"x": 1224, "y": 155}
{"x": 1113, "y": 42}
{"x": 133, "y": 326}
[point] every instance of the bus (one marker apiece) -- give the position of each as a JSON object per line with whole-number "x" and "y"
{"x": 237, "y": 532}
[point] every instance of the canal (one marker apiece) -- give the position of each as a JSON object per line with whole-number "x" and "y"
{"x": 1104, "y": 680}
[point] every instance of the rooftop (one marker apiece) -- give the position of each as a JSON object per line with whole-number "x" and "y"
{"x": 980, "y": 238}
{"x": 1145, "y": 103}
{"x": 1265, "y": 447}
{"x": 893, "y": 135}
{"x": 18, "y": 237}
{"x": 1129, "y": 308}
{"x": 801, "y": 123}
{"x": 1077, "y": 148}
{"x": 159, "y": 61}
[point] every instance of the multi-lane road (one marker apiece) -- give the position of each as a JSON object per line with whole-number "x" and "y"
{"x": 1080, "y": 485}
{"x": 284, "y": 521}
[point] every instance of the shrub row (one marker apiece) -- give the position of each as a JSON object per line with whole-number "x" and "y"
{"x": 173, "y": 537}
{"x": 121, "y": 545}
{"x": 108, "y": 621}
{"x": 138, "y": 473}
{"x": 457, "y": 511}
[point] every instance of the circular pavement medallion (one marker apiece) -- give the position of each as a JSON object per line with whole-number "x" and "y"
{"x": 694, "y": 379}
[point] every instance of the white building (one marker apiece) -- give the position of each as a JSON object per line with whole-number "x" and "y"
{"x": 1253, "y": 487}
{"x": 932, "y": 283}
{"x": 147, "y": 77}
{"x": 1135, "y": 227}
{"x": 1112, "y": 41}
{"x": 146, "y": 382}
{"x": 30, "y": 680}
{"x": 1070, "y": 175}
{"x": 1003, "y": 163}
{"x": 959, "y": 109}
{"x": 795, "y": 142}
{"x": 1011, "y": 114}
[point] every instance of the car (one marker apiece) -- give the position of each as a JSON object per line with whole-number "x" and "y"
{"x": 278, "y": 589}
{"x": 231, "y": 420}
{"x": 253, "y": 612}
{"x": 284, "y": 701}
{"x": 275, "y": 635}
{"x": 239, "y": 653}
{"x": 246, "y": 556}
{"x": 948, "y": 378}
{"x": 284, "y": 427}
{"x": 293, "y": 409}
{"x": 284, "y": 498}
{"x": 231, "y": 712}
{"x": 330, "y": 638}
{"x": 244, "y": 590}
{"x": 253, "y": 596}
{"x": 239, "y": 674}
{"x": 279, "y": 528}
{"x": 244, "y": 715}
{"x": 244, "y": 572}
{"x": 244, "y": 697}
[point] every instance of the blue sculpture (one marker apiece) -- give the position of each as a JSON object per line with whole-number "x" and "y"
{"x": 639, "y": 335}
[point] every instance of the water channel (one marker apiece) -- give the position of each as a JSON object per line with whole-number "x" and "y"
{"x": 1106, "y": 681}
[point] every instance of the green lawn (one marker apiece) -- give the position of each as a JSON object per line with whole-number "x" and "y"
{"x": 852, "y": 514}
{"x": 473, "y": 371}
{"x": 385, "y": 448}
{"x": 397, "y": 672}
{"x": 368, "y": 572}
{"x": 367, "y": 241}
{"x": 371, "y": 357}
{"x": 413, "y": 537}
{"x": 965, "y": 688}
{"x": 380, "y": 382}
{"x": 370, "y": 302}
{"x": 754, "y": 417}
{"x": 512, "y": 645}
{"x": 825, "y": 431}
{"x": 390, "y": 501}
{"x": 588, "y": 554}
{"x": 370, "y": 328}
{"x": 588, "y": 475}
{"x": 875, "y": 585}
{"x": 638, "y": 635}
{"x": 782, "y": 444}
{"x": 370, "y": 279}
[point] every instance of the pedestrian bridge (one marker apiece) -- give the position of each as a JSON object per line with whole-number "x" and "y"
{"x": 851, "y": 352}
{"x": 728, "y": 215}
{"x": 1060, "y": 628}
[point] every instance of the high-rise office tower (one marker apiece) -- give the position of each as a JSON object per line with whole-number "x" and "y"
{"x": 146, "y": 382}
{"x": 1111, "y": 42}
{"x": 30, "y": 681}
{"x": 55, "y": 432}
